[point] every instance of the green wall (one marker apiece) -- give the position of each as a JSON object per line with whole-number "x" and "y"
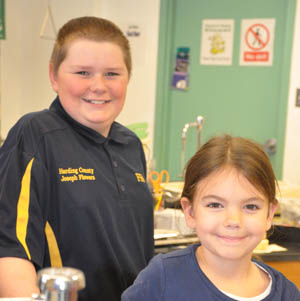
{"x": 246, "y": 101}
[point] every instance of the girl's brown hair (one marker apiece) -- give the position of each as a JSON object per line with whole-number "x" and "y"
{"x": 89, "y": 28}
{"x": 244, "y": 155}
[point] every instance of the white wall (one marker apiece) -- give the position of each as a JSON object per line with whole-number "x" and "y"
{"x": 140, "y": 105}
{"x": 24, "y": 55}
{"x": 291, "y": 165}
{"x": 21, "y": 73}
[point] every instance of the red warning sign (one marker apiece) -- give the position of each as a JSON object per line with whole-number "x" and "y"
{"x": 257, "y": 37}
{"x": 257, "y": 42}
{"x": 256, "y": 56}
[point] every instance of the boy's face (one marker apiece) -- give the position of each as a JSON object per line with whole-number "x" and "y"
{"x": 229, "y": 215}
{"x": 91, "y": 83}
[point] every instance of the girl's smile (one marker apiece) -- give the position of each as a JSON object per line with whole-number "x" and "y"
{"x": 231, "y": 239}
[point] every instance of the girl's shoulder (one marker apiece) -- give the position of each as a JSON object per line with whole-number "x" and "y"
{"x": 162, "y": 275}
{"x": 169, "y": 262}
{"x": 281, "y": 286}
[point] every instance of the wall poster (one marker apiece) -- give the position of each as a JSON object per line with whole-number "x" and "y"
{"x": 217, "y": 42}
{"x": 257, "y": 39}
{"x": 181, "y": 74}
{"x": 136, "y": 33}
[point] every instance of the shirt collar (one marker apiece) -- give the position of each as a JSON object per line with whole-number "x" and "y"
{"x": 116, "y": 132}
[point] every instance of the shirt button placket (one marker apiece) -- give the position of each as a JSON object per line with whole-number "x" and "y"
{"x": 121, "y": 186}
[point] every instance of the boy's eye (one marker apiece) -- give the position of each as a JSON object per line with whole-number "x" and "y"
{"x": 111, "y": 74}
{"x": 252, "y": 207}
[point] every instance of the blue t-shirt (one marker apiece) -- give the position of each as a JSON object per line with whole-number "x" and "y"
{"x": 177, "y": 276}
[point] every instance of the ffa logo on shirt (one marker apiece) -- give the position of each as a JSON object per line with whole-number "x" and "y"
{"x": 139, "y": 177}
{"x": 76, "y": 174}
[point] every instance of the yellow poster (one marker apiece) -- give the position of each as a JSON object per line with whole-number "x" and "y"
{"x": 217, "y": 42}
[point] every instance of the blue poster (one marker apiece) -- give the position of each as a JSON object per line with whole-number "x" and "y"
{"x": 181, "y": 71}
{"x": 2, "y": 20}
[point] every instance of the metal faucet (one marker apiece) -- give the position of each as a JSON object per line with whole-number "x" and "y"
{"x": 59, "y": 284}
{"x": 199, "y": 125}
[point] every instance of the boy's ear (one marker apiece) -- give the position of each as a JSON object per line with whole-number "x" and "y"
{"x": 52, "y": 77}
{"x": 272, "y": 209}
{"x": 188, "y": 211}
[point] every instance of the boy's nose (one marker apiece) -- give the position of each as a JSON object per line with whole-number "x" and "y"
{"x": 98, "y": 84}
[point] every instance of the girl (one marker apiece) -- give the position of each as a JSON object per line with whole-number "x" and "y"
{"x": 229, "y": 200}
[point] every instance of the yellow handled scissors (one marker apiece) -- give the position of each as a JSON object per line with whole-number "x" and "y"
{"x": 157, "y": 178}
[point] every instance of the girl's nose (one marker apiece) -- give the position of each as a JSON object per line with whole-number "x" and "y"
{"x": 233, "y": 217}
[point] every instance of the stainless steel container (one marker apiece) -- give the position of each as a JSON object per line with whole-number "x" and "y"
{"x": 56, "y": 284}
{"x": 60, "y": 284}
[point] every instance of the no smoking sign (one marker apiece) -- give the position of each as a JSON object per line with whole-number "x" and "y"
{"x": 257, "y": 38}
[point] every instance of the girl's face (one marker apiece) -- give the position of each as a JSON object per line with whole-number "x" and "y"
{"x": 229, "y": 215}
{"x": 91, "y": 83}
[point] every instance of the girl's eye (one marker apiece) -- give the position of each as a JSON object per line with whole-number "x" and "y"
{"x": 252, "y": 207}
{"x": 84, "y": 73}
{"x": 214, "y": 205}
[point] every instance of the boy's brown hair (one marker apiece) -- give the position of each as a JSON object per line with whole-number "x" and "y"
{"x": 89, "y": 28}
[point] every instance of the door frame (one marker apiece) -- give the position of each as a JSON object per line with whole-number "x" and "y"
{"x": 165, "y": 61}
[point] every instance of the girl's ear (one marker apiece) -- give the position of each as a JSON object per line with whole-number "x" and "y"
{"x": 53, "y": 77}
{"x": 272, "y": 209}
{"x": 188, "y": 211}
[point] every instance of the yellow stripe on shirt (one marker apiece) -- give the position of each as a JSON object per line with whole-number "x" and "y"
{"x": 23, "y": 208}
{"x": 54, "y": 253}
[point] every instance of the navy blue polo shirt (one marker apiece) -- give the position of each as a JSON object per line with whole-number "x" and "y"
{"x": 71, "y": 197}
